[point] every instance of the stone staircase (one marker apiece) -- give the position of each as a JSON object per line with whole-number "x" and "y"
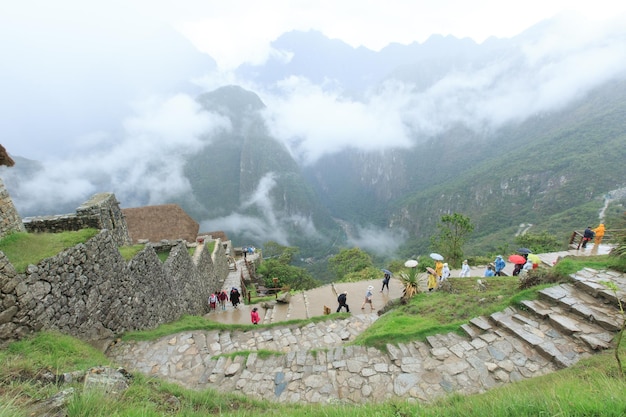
{"x": 567, "y": 322}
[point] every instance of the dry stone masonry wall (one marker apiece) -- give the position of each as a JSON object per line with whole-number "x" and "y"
{"x": 102, "y": 211}
{"x": 91, "y": 292}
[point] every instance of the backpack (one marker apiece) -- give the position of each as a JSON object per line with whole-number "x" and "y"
{"x": 341, "y": 299}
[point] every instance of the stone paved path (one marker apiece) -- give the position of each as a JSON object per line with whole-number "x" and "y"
{"x": 314, "y": 363}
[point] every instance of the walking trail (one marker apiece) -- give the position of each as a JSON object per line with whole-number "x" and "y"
{"x": 316, "y": 363}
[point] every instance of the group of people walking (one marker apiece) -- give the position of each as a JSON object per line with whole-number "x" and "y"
{"x": 342, "y": 299}
{"x": 438, "y": 275}
{"x": 220, "y": 297}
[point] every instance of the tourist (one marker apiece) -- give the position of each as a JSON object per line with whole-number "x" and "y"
{"x": 499, "y": 264}
{"x": 234, "y": 297}
{"x": 445, "y": 272}
{"x": 465, "y": 270}
{"x": 438, "y": 270}
{"x": 432, "y": 279}
{"x": 386, "y": 280}
{"x": 599, "y": 231}
{"x": 587, "y": 236}
{"x": 368, "y": 298}
{"x": 222, "y": 297}
{"x": 212, "y": 301}
{"x": 489, "y": 272}
{"x": 528, "y": 265}
{"x": 343, "y": 302}
{"x": 254, "y": 316}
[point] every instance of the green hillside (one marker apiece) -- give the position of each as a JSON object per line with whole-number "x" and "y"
{"x": 552, "y": 172}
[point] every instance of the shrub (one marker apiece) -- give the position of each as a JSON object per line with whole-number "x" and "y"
{"x": 540, "y": 276}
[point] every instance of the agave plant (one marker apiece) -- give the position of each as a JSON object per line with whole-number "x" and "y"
{"x": 411, "y": 282}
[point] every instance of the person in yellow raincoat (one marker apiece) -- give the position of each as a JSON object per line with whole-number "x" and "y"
{"x": 432, "y": 279}
{"x": 599, "y": 231}
{"x": 439, "y": 270}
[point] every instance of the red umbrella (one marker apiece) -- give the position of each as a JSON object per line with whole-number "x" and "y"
{"x": 517, "y": 259}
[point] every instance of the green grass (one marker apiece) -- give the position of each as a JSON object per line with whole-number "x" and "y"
{"x": 590, "y": 388}
{"x": 189, "y": 323}
{"x": 441, "y": 312}
{"x": 128, "y": 252}
{"x": 24, "y": 249}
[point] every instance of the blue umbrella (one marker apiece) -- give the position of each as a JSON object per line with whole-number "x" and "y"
{"x": 386, "y": 271}
{"x": 524, "y": 251}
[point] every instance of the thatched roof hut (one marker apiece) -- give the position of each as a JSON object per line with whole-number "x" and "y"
{"x": 163, "y": 222}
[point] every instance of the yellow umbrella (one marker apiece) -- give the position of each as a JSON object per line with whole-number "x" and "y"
{"x": 534, "y": 258}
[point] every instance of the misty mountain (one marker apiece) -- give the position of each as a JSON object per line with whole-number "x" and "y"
{"x": 548, "y": 164}
{"x": 314, "y": 56}
{"x": 246, "y": 176}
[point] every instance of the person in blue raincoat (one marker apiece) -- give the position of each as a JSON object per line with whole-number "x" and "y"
{"x": 499, "y": 265}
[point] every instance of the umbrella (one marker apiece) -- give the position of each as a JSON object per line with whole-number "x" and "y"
{"x": 524, "y": 250}
{"x": 436, "y": 257}
{"x": 386, "y": 271}
{"x": 430, "y": 270}
{"x": 534, "y": 258}
{"x": 517, "y": 259}
{"x": 411, "y": 263}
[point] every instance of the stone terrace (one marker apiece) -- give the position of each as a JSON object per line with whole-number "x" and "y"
{"x": 315, "y": 363}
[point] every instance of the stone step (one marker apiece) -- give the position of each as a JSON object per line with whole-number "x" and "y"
{"x": 537, "y": 307}
{"x": 471, "y": 331}
{"x": 482, "y": 323}
{"x": 444, "y": 340}
{"x": 587, "y": 281}
{"x": 560, "y": 349}
{"x": 584, "y": 305}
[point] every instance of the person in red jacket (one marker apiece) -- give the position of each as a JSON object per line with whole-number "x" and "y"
{"x": 254, "y": 316}
{"x": 222, "y": 297}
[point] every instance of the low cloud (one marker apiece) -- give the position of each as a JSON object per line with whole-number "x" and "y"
{"x": 384, "y": 242}
{"x": 269, "y": 224}
{"x": 313, "y": 120}
{"x": 544, "y": 71}
{"x": 142, "y": 166}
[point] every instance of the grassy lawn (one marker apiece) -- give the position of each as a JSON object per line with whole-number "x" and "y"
{"x": 441, "y": 312}
{"x": 24, "y": 249}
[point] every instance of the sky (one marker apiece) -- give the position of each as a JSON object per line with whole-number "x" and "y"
{"x": 102, "y": 92}
{"x": 239, "y": 31}
{"x": 71, "y": 72}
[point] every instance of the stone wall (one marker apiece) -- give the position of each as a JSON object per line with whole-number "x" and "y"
{"x": 102, "y": 211}
{"x": 10, "y": 220}
{"x": 91, "y": 292}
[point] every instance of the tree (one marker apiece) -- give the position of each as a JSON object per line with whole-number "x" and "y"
{"x": 348, "y": 261}
{"x": 272, "y": 249}
{"x": 286, "y": 275}
{"x": 453, "y": 232}
{"x": 279, "y": 266}
{"x": 539, "y": 242}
